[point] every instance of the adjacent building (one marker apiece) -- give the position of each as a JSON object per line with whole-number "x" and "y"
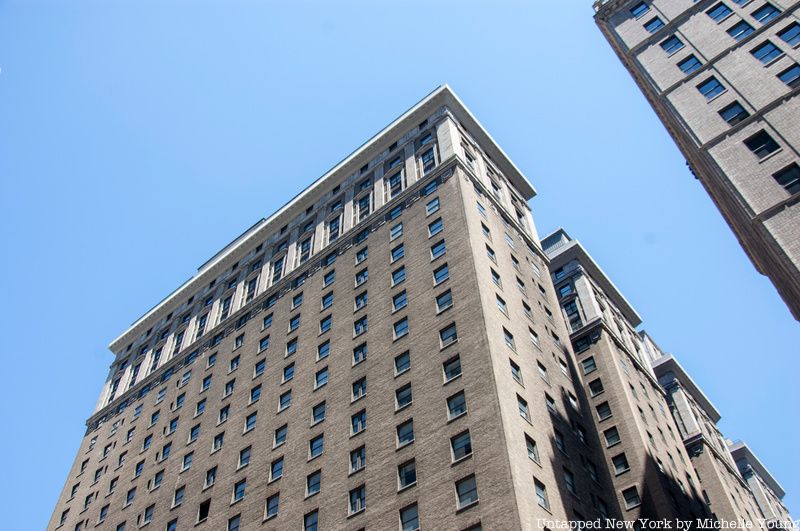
{"x": 723, "y": 77}
{"x": 638, "y": 390}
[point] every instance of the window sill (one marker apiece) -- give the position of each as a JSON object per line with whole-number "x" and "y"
{"x": 269, "y": 517}
{"x": 461, "y": 459}
{"x": 404, "y": 445}
{"x": 406, "y": 487}
{"x": 451, "y": 343}
{"x": 468, "y": 506}
{"x": 403, "y": 407}
{"x": 454, "y": 378}
{"x": 273, "y": 480}
{"x": 771, "y": 155}
{"x": 234, "y": 502}
{"x": 314, "y": 457}
{"x": 774, "y": 60}
{"x": 354, "y": 472}
{"x": 356, "y": 513}
{"x": 716, "y": 96}
{"x": 617, "y": 474}
{"x": 442, "y": 310}
{"x": 453, "y": 419}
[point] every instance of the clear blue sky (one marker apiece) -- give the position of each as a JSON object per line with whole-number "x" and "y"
{"x": 138, "y": 138}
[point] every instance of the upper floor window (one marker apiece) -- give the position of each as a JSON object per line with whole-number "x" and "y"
{"x": 766, "y": 53}
{"x": 639, "y": 9}
{"x": 654, "y": 24}
{"x": 719, "y": 12}
{"x": 711, "y": 88}
{"x": 740, "y": 30}
{"x": 393, "y": 185}
{"x": 791, "y": 34}
{"x": 672, "y": 44}
{"x": 761, "y": 144}
{"x": 791, "y": 76}
{"x": 766, "y": 13}
{"x": 789, "y": 178}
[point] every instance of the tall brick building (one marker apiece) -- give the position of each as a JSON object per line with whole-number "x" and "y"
{"x": 723, "y": 77}
{"x": 386, "y": 351}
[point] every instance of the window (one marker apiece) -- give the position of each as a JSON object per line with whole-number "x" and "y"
{"x": 362, "y": 276}
{"x": 329, "y": 277}
{"x": 401, "y": 327}
{"x": 359, "y": 353}
{"x": 321, "y": 378}
{"x": 766, "y": 13}
{"x": 501, "y": 304}
{"x": 291, "y": 347}
{"x": 541, "y": 494}
{"x": 508, "y": 337}
{"x": 719, "y": 12}
{"x": 603, "y": 411}
{"x": 456, "y": 405}
{"x": 589, "y": 365}
{"x": 202, "y": 513}
{"x": 654, "y": 24}
{"x": 285, "y": 400}
{"x": 761, "y": 144}
{"x": 711, "y": 88}
{"x": 409, "y": 518}
{"x": 358, "y": 422}
{"x": 740, "y": 30}
{"x": 516, "y": 372}
{"x": 432, "y": 206}
{"x": 276, "y": 469}
{"x": 435, "y": 227}
{"x": 766, "y": 53}
{"x": 438, "y": 249}
{"x": 596, "y": 387}
{"x": 734, "y": 113}
{"x": 558, "y": 440}
{"x": 148, "y": 514}
{"x": 441, "y": 274}
{"x": 288, "y": 373}
{"x": 533, "y": 450}
{"x": 620, "y": 463}
{"x": 358, "y": 499}
{"x": 250, "y": 421}
{"x": 466, "y": 491}
{"x": 631, "y": 496}
{"x": 397, "y": 253}
{"x": 639, "y": 9}
{"x": 313, "y": 481}
{"x": 360, "y": 326}
{"x": 405, "y": 433}
{"x": 273, "y": 502}
{"x": 672, "y": 44}
{"x": 791, "y": 76}
{"x": 399, "y": 301}
{"x": 791, "y": 34}
{"x": 316, "y": 446}
{"x": 358, "y": 459}
{"x": 690, "y": 64}
{"x": 406, "y": 475}
{"x": 612, "y": 436}
{"x": 362, "y": 255}
{"x": 403, "y": 397}
{"x": 522, "y": 406}
{"x": 396, "y": 231}
{"x": 451, "y": 368}
{"x": 444, "y": 301}
{"x": 393, "y": 184}
{"x": 789, "y": 178}
{"x": 280, "y": 436}
{"x": 448, "y": 335}
{"x": 234, "y": 522}
{"x": 491, "y": 254}
{"x": 325, "y": 324}
{"x": 398, "y": 275}
{"x": 238, "y": 490}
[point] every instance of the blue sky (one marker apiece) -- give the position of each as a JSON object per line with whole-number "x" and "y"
{"x": 138, "y": 138}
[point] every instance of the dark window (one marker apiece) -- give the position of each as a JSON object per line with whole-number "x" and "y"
{"x": 734, "y": 113}
{"x": 639, "y": 9}
{"x": 654, "y": 24}
{"x": 766, "y": 13}
{"x": 740, "y": 30}
{"x": 719, "y": 12}
{"x": 791, "y": 34}
{"x": 789, "y": 178}
{"x": 711, "y": 88}
{"x": 766, "y": 52}
{"x": 672, "y": 44}
{"x": 791, "y": 76}
{"x": 761, "y": 144}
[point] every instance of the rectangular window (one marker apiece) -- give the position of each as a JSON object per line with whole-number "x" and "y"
{"x": 791, "y": 76}
{"x": 316, "y": 446}
{"x": 711, "y": 88}
{"x": 740, "y": 30}
{"x": 791, "y": 34}
{"x": 359, "y": 353}
{"x": 329, "y": 277}
{"x": 435, "y": 227}
{"x": 441, "y": 274}
{"x": 690, "y": 64}
{"x": 280, "y": 436}
{"x": 285, "y": 400}
{"x": 672, "y": 44}
{"x": 406, "y": 475}
{"x": 409, "y": 518}
{"x": 533, "y": 451}
{"x": 358, "y": 499}
{"x": 612, "y": 436}
{"x": 358, "y": 459}
{"x": 399, "y": 301}
{"x": 761, "y": 144}
{"x": 522, "y": 406}
{"x": 325, "y": 324}
{"x": 734, "y": 113}
{"x": 452, "y": 369}
{"x": 401, "y": 328}
{"x": 273, "y": 502}
{"x": 358, "y": 422}
{"x": 456, "y": 405}
{"x": 432, "y": 206}
{"x": 362, "y": 255}
{"x": 438, "y": 249}
{"x": 396, "y": 231}
{"x": 405, "y": 433}
{"x": 766, "y": 13}
{"x": 466, "y": 492}
{"x": 789, "y": 178}
{"x": 448, "y": 335}
{"x": 719, "y": 12}
{"x": 654, "y": 24}
{"x": 444, "y": 301}
{"x": 360, "y": 326}
{"x": 631, "y": 496}
{"x": 639, "y": 9}
{"x": 362, "y": 276}
{"x": 276, "y": 469}
{"x": 397, "y": 253}
{"x": 398, "y": 275}
{"x": 327, "y": 300}
{"x": 766, "y": 53}
{"x": 541, "y": 494}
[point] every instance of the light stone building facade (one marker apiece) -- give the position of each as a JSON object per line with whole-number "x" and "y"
{"x": 386, "y": 351}
{"x": 723, "y": 76}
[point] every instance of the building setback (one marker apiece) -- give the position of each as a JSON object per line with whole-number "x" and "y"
{"x": 386, "y": 351}
{"x": 723, "y": 77}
